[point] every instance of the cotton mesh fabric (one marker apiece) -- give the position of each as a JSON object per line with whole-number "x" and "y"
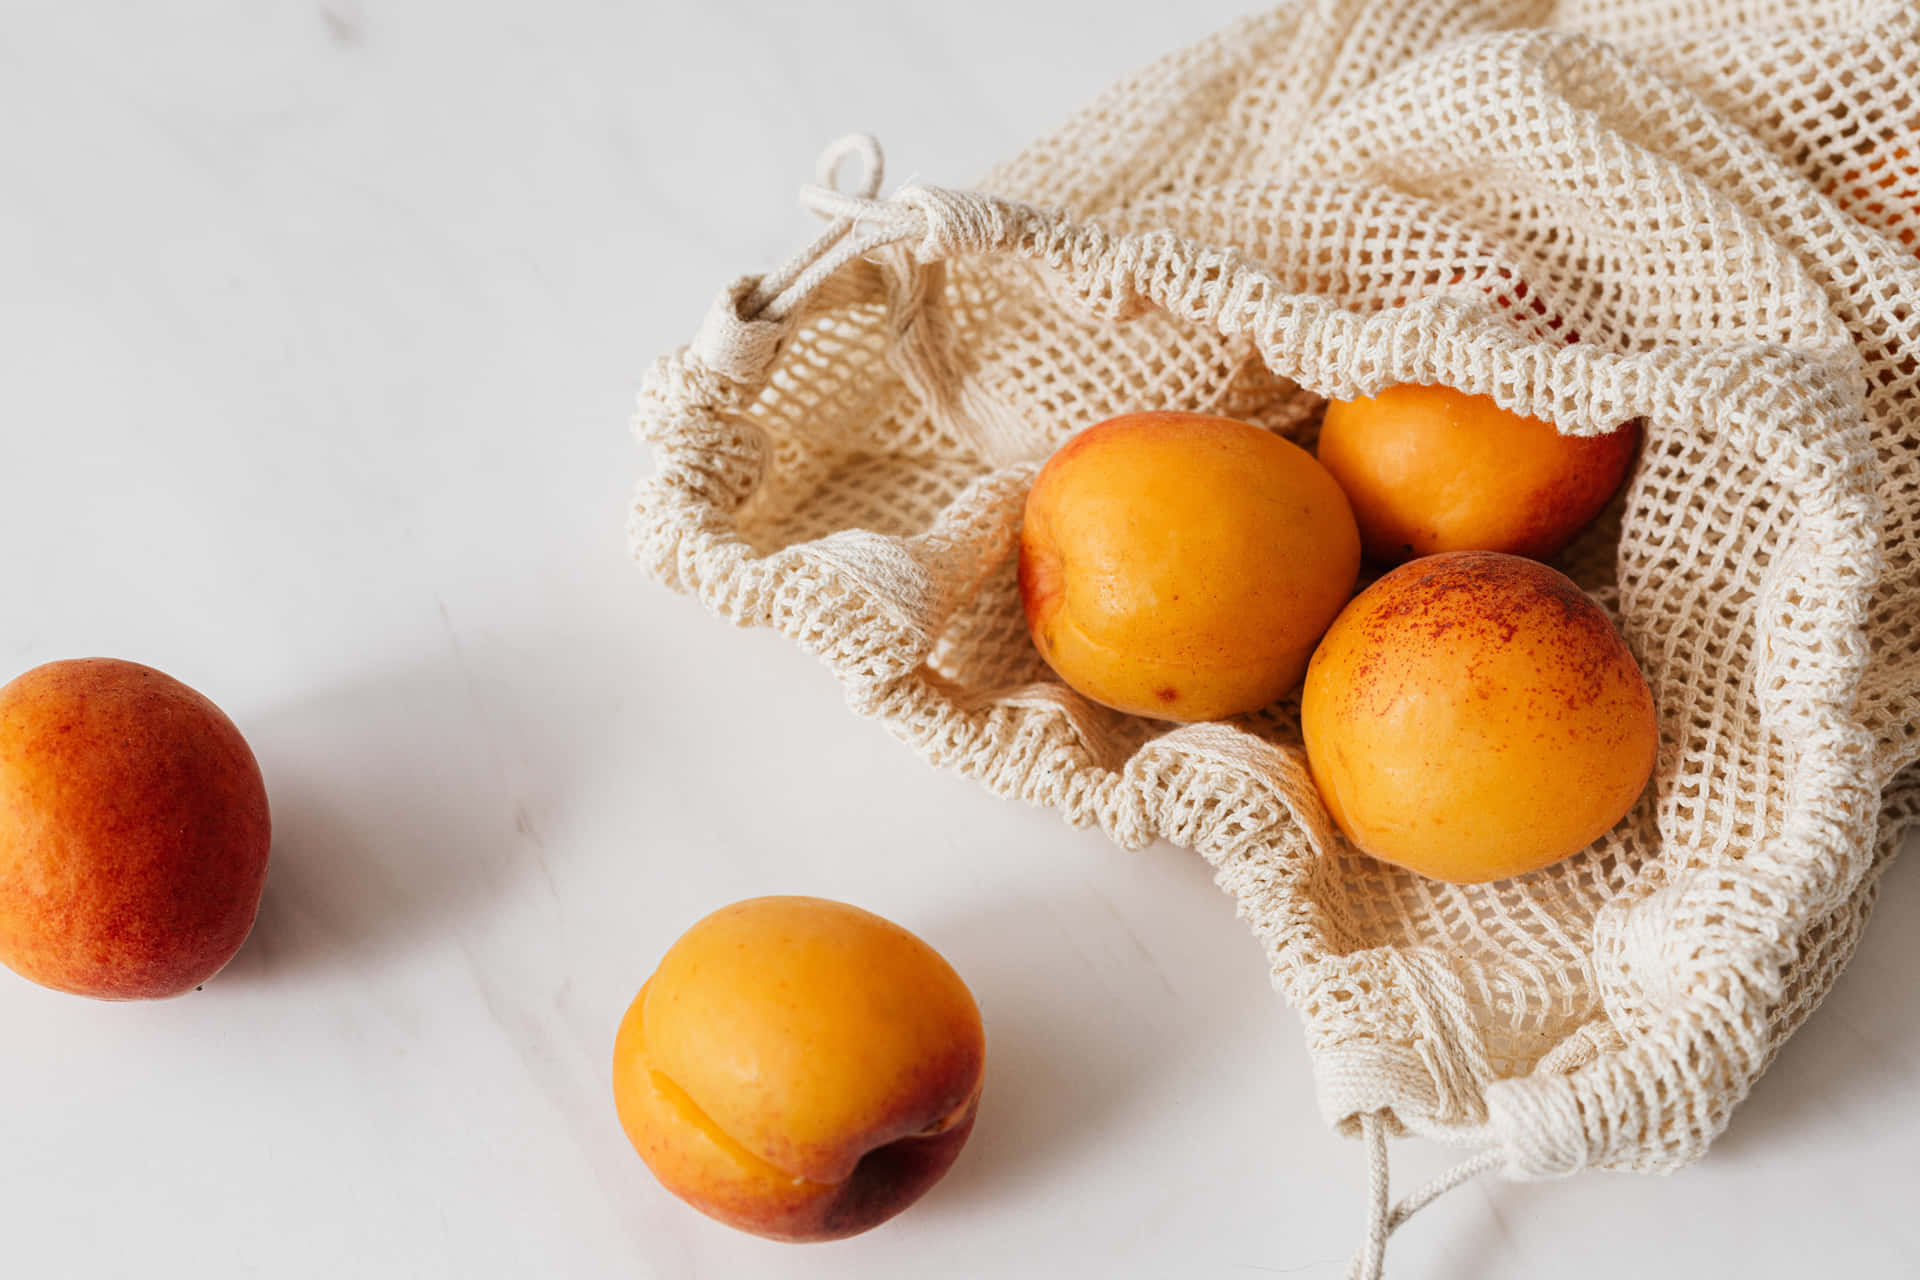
{"x": 1699, "y": 215}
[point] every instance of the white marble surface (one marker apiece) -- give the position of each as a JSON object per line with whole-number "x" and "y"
{"x": 320, "y": 328}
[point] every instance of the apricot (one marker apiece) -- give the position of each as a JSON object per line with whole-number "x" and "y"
{"x": 799, "y": 1068}
{"x": 1879, "y": 185}
{"x": 1182, "y": 566}
{"x": 1473, "y": 716}
{"x": 133, "y": 831}
{"x": 1431, "y": 469}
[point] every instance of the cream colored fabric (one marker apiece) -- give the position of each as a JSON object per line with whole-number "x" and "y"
{"x": 1592, "y": 212}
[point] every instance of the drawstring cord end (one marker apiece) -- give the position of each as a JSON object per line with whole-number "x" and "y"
{"x": 1382, "y": 1221}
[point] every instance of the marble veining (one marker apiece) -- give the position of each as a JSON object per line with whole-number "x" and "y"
{"x": 321, "y": 325}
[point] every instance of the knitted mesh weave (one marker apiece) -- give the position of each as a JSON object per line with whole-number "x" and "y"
{"x": 1704, "y": 215}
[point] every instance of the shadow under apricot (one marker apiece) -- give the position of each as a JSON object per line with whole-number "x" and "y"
{"x": 403, "y": 805}
{"x": 1064, "y": 1063}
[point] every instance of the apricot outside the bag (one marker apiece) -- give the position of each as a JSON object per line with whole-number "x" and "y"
{"x": 799, "y": 1068}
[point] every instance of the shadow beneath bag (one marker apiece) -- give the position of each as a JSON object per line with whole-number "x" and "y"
{"x": 404, "y": 805}
{"x": 1852, "y": 1057}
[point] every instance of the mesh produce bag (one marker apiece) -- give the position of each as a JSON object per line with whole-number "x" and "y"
{"x": 1701, "y": 215}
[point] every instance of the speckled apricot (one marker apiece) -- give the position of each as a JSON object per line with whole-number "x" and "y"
{"x": 1473, "y": 716}
{"x": 133, "y": 831}
{"x": 1183, "y": 566}
{"x": 799, "y": 1068}
{"x": 1431, "y": 469}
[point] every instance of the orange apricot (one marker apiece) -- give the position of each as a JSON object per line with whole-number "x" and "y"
{"x": 1431, "y": 469}
{"x": 1873, "y": 187}
{"x": 1182, "y": 566}
{"x": 799, "y": 1068}
{"x": 1473, "y": 716}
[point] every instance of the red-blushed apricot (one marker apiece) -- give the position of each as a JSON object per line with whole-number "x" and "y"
{"x": 1431, "y": 469}
{"x": 799, "y": 1068}
{"x": 133, "y": 831}
{"x": 1182, "y": 566}
{"x": 1473, "y": 716}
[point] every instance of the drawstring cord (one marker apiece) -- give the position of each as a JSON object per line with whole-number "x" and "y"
{"x": 1383, "y": 1221}
{"x": 943, "y": 224}
{"x": 782, "y": 290}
